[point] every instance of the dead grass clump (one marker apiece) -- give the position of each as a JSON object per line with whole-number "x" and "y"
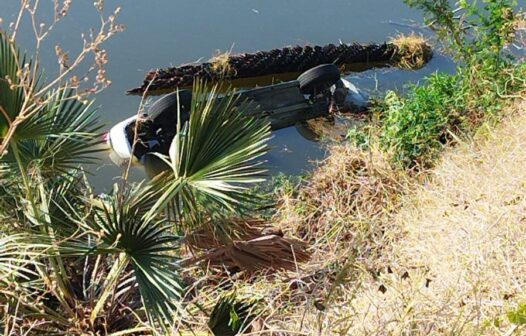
{"x": 346, "y": 199}
{"x": 220, "y": 65}
{"x": 520, "y": 21}
{"x": 412, "y": 51}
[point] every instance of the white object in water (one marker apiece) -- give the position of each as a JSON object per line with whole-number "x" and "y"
{"x": 354, "y": 98}
{"x": 118, "y": 139}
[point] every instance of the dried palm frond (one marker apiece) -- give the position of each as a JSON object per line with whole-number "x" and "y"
{"x": 267, "y": 252}
{"x": 209, "y": 236}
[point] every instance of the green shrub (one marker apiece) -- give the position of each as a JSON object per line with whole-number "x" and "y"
{"x": 471, "y": 31}
{"x": 414, "y": 128}
{"x": 358, "y": 136}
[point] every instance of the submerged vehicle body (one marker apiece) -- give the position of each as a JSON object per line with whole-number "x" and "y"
{"x": 284, "y": 105}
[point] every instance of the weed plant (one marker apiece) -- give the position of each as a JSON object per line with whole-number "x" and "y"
{"x": 416, "y": 126}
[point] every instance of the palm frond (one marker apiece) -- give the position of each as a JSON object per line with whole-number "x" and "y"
{"x": 19, "y": 254}
{"x": 9, "y": 198}
{"x": 68, "y": 203}
{"x": 13, "y": 88}
{"x": 11, "y": 95}
{"x": 213, "y": 158}
{"x": 59, "y": 137}
{"x": 150, "y": 247}
{"x": 265, "y": 253}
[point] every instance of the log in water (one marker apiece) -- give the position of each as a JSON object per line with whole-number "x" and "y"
{"x": 275, "y": 61}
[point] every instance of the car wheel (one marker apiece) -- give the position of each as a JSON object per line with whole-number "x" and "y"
{"x": 318, "y": 78}
{"x": 164, "y": 111}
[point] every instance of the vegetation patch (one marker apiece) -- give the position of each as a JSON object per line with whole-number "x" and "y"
{"x": 412, "y": 51}
{"x": 415, "y": 128}
{"x": 461, "y": 255}
{"x": 220, "y": 65}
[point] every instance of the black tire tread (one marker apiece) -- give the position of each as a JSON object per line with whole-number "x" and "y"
{"x": 165, "y": 108}
{"x": 320, "y": 76}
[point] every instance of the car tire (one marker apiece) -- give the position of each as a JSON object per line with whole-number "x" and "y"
{"x": 318, "y": 78}
{"x": 164, "y": 110}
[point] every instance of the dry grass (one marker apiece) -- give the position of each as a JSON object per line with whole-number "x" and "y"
{"x": 520, "y": 21}
{"x": 459, "y": 266}
{"x": 350, "y": 194}
{"x": 342, "y": 212}
{"x": 392, "y": 255}
{"x": 220, "y": 64}
{"x": 413, "y": 51}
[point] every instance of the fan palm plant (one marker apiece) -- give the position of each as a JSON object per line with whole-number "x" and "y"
{"x": 86, "y": 264}
{"x": 213, "y": 160}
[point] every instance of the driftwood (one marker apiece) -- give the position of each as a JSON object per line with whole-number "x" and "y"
{"x": 292, "y": 59}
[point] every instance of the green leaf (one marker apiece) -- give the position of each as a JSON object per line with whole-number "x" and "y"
{"x": 230, "y": 315}
{"x": 62, "y": 135}
{"x": 213, "y": 159}
{"x": 518, "y": 316}
{"x": 148, "y": 244}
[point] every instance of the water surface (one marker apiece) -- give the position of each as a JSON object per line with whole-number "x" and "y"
{"x": 163, "y": 33}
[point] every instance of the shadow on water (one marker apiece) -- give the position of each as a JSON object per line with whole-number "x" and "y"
{"x": 256, "y": 81}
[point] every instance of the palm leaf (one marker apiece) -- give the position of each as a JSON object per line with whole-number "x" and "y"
{"x": 9, "y": 196}
{"x": 59, "y": 133}
{"x": 59, "y": 137}
{"x": 11, "y": 96}
{"x": 19, "y": 253}
{"x": 68, "y": 203}
{"x": 150, "y": 247}
{"x": 213, "y": 159}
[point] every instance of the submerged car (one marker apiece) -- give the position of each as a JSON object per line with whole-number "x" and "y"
{"x": 284, "y": 104}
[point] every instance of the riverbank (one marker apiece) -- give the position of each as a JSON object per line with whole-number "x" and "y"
{"x": 452, "y": 261}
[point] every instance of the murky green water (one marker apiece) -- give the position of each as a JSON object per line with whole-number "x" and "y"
{"x": 162, "y": 33}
